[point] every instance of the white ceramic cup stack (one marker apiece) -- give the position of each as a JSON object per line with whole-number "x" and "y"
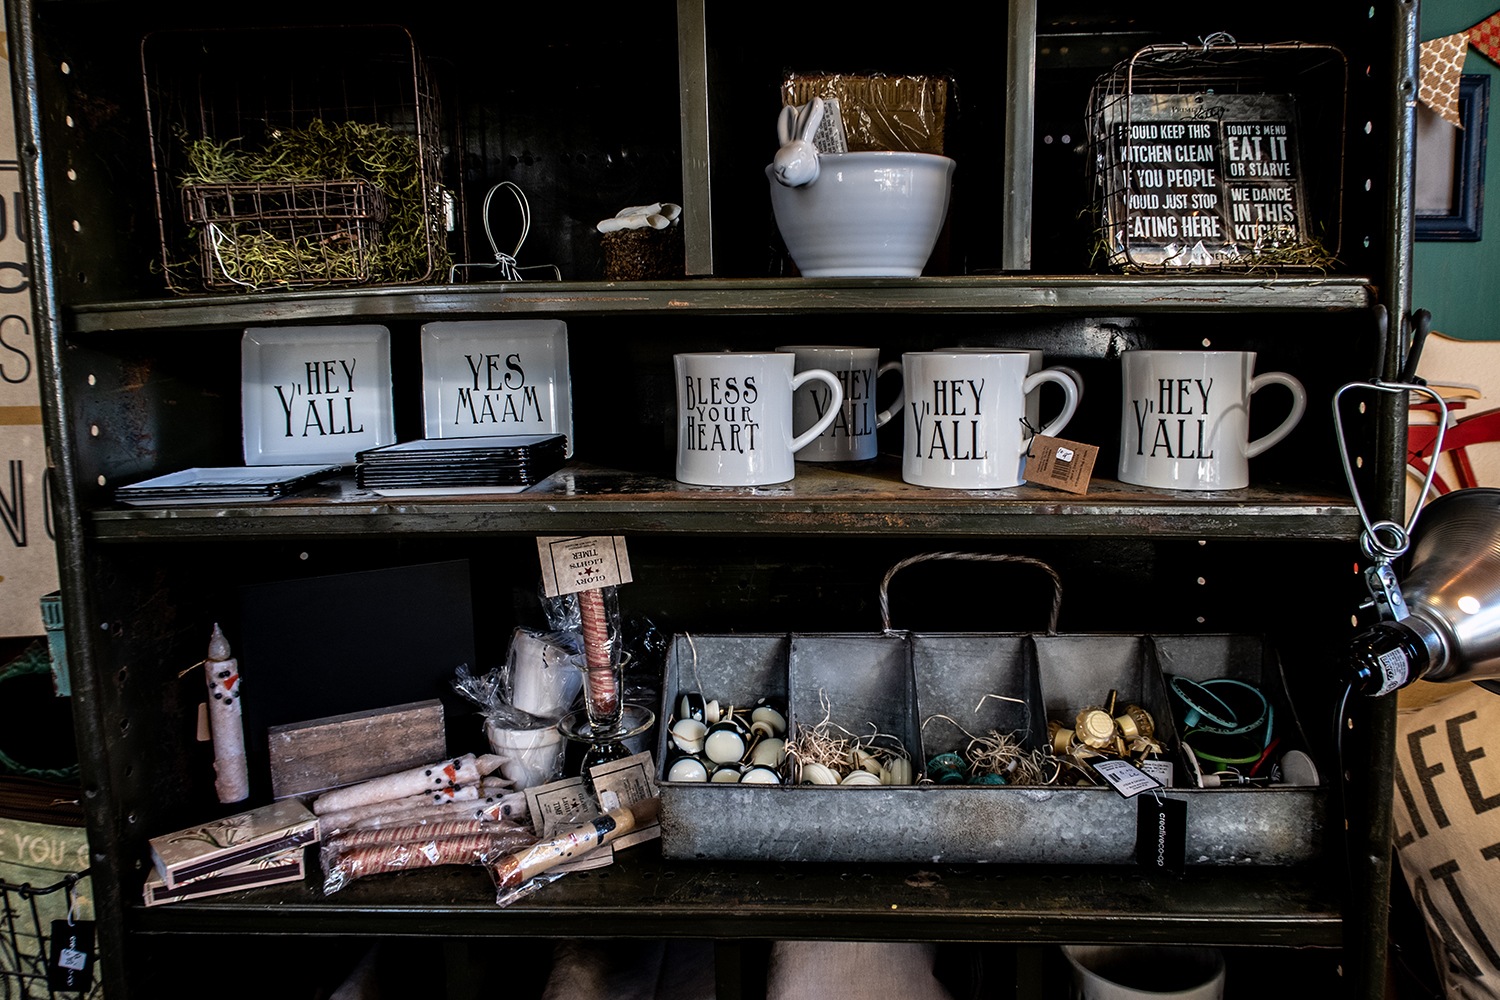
{"x": 545, "y": 678}
{"x": 532, "y": 756}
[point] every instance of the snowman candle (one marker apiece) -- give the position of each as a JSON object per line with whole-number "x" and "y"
{"x": 232, "y": 774}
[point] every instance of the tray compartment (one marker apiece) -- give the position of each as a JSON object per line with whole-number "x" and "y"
{"x": 899, "y": 681}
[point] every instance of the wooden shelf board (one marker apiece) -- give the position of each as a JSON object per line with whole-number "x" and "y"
{"x": 821, "y": 500}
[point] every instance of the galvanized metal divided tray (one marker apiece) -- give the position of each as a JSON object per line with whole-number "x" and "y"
{"x": 896, "y": 681}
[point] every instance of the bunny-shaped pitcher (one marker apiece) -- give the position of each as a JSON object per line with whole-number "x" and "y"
{"x": 796, "y": 162}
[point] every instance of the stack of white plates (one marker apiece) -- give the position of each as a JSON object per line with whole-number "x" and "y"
{"x": 434, "y": 467}
{"x": 235, "y": 484}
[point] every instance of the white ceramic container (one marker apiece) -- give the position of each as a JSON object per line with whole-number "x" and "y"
{"x": 873, "y": 214}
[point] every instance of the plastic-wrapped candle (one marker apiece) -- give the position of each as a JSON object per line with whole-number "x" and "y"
{"x": 232, "y": 775}
{"x": 602, "y": 685}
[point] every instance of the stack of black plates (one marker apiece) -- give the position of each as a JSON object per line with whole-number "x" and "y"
{"x": 437, "y": 466}
{"x": 235, "y": 484}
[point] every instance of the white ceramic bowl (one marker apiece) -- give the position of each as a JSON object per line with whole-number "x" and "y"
{"x": 874, "y": 214}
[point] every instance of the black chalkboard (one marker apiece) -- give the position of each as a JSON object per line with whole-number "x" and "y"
{"x": 348, "y": 642}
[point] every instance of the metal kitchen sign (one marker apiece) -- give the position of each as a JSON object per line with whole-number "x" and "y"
{"x": 1202, "y": 179}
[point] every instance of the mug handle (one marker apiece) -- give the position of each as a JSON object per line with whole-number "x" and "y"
{"x": 884, "y": 416}
{"x": 823, "y": 422}
{"x": 1299, "y": 405}
{"x": 1070, "y": 400}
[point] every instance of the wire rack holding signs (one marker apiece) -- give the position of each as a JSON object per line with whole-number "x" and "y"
{"x": 1219, "y": 155}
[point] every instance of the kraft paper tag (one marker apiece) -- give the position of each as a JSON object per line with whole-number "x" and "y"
{"x": 1161, "y": 834}
{"x": 1064, "y": 465}
{"x": 70, "y": 963}
{"x": 558, "y": 805}
{"x": 582, "y": 562}
{"x": 623, "y": 783}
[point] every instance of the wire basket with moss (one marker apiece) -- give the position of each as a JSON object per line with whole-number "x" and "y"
{"x": 332, "y": 203}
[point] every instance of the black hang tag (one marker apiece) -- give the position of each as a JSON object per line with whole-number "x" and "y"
{"x": 1161, "y": 833}
{"x": 70, "y": 965}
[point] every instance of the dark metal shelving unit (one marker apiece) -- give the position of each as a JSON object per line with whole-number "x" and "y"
{"x": 137, "y": 384}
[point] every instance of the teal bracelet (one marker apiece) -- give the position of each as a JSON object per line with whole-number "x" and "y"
{"x": 1219, "y": 758}
{"x": 1221, "y": 718}
{"x": 1195, "y": 696}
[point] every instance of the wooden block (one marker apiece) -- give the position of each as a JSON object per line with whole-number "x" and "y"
{"x": 320, "y": 754}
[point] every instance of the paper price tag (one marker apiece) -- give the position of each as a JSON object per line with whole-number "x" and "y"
{"x": 582, "y": 562}
{"x": 1125, "y": 778}
{"x": 1065, "y": 465}
{"x": 70, "y": 965}
{"x": 1159, "y": 769}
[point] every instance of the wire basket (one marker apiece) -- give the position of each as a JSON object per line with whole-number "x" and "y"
{"x": 256, "y": 235}
{"x": 292, "y": 158}
{"x": 1220, "y": 156}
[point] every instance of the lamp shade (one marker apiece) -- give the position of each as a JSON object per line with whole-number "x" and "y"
{"x": 1452, "y": 591}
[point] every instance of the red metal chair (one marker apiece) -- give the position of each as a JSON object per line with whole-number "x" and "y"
{"x": 1463, "y": 431}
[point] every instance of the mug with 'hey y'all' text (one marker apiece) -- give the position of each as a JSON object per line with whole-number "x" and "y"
{"x": 1185, "y": 423}
{"x": 966, "y": 422}
{"x": 851, "y": 436}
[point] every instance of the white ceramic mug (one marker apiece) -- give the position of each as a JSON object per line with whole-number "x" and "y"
{"x": 545, "y": 678}
{"x": 851, "y": 436}
{"x": 532, "y": 756}
{"x": 965, "y": 417}
{"x": 1185, "y": 420}
{"x": 734, "y": 417}
{"x": 1034, "y": 364}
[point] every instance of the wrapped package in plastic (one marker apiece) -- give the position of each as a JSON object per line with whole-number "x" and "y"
{"x": 874, "y": 111}
{"x": 375, "y": 852}
{"x": 531, "y": 746}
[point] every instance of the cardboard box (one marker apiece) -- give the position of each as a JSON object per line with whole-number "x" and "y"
{"x": 232, "y": 841}
{"x": 283, "y": 866}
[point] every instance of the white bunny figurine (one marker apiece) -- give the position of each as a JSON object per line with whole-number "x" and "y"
{"x": 796, "y": 162}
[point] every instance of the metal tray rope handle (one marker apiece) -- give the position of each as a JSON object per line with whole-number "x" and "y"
{"x": 885, "y": 603}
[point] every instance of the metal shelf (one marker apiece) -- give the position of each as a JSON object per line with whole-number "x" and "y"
{"x": 820, "y": 501}
{"x": 641, "y": 895}
{"x": 1103, "y": 295}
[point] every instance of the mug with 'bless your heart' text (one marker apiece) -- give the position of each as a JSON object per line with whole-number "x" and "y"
{"x": 734, "y": 417}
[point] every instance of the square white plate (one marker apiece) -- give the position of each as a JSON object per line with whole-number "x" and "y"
{"x": 222, "y": 485}
{"x": 315, "y": 394}
{"x": 482, "y": 378}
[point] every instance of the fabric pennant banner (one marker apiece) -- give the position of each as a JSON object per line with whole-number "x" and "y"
{"x": 1485, "y": 36}
{"x": 1442, "y": 65}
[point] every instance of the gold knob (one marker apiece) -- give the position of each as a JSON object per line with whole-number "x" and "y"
{"x": 1059, "y": 737}
{"x": 1095, "y": 728}
{"x": 1136, "y": 723}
